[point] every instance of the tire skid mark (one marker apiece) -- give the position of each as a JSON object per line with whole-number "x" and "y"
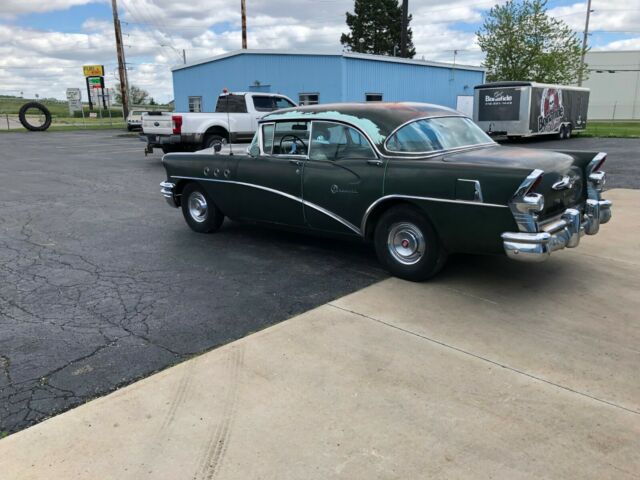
{"x": 179, "y": 397}
{"x": 218, "y": 442}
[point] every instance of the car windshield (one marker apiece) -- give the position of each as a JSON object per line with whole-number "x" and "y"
{"x": 433, "y": 134}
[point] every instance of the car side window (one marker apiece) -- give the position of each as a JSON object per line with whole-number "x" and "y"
{"x": 335, "y": 141}
{"x": 267, "y": 138}
{"x": 291, "y": 138}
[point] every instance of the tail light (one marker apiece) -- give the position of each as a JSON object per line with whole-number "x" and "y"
{"x": 525, "y": 199}
{"x": 595, "y": 175}
{"x": 176, "y": 121}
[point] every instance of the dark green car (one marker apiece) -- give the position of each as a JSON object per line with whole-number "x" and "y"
{"x": 420, "y": 181}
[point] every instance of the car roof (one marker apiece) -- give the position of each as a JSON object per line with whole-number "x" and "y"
{"x": 377, "y": 119}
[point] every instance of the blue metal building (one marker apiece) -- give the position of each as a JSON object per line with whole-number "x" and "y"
{"x": 323, "y": 78}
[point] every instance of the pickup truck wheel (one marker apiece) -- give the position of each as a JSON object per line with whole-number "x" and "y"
{"x": 407, "y": 244}
{"x": 201, "y": 214}
{"x": 212, "y": 140}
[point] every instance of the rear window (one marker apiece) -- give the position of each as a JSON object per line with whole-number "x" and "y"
{"x": 231, "y": 104}
{"x": 269, "y": 104}
{"x": 434, "y": 134}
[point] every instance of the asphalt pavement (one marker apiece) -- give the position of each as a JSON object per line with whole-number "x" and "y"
{"x": 103, "y": 283}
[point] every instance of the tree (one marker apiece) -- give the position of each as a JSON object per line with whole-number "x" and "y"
{"x": 137, "y": 95}
{"x": 376, "y": 27}
{"x": 522, "y": 42}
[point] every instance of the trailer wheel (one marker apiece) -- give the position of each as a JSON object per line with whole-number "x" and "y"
{"x": 562, "y": 133}
{"x": 567, "y": 134}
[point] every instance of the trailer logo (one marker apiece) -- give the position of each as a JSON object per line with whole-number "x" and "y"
{"x": 551, "y": 110}
{"x": 498, "y": 97}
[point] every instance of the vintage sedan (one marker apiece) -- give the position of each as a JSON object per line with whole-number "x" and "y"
{"x": 419, "y": 180}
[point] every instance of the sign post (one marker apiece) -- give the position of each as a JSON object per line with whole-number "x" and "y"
{"x": 74, "y": 97}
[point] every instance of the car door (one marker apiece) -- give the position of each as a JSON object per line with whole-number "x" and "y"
{"x": 269, "y": 185}
{"x": 342, "y": 177}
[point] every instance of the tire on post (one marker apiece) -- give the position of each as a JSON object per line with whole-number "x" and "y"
{"x": 22, "y": 116}
{"x": 199, "y": 211}
{"x": 407, "y": 244}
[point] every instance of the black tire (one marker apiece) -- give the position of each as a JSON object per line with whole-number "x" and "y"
{"x": 212, "y": 139}
{"x": 130, "y": 128}
{"x": 562, "y": 134}
{"x": 211, "y": 218}
{"x": 567, "y": 134}
{"x": 22, "y": 116}
{"x": 407, "y": 225}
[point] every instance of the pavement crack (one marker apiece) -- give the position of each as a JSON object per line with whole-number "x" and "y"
{"x": 488, "y": 360}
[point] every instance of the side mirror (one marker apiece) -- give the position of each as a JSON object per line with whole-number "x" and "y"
{"x": 253, "y": 150}
{"x": 217, "y": 147}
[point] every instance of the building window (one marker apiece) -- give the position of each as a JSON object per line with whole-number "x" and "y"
{"x": 195, "y": 104}
{"x": 308, "y": 98}
{"x": 373, "y": 97}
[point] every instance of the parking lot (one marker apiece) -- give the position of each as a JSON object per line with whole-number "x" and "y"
{"x": 103, "y": 283}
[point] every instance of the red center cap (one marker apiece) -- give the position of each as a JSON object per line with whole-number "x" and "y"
{"x": 405, "y": 243}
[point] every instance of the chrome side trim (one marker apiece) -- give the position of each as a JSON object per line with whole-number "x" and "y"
{"x": 429, "y": 199}
{"x": 320, "y": 209}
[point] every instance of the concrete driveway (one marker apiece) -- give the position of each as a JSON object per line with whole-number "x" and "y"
{"x": 493, "y": 370}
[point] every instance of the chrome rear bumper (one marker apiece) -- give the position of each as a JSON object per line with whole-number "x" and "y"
{"x": 166, "y": 189}
{"x": 562, "y": 233}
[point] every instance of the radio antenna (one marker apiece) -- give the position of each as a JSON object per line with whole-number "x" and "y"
{"x": 226, "y": 92}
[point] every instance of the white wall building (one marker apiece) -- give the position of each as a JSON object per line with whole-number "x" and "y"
{"x": 614, "y": 80}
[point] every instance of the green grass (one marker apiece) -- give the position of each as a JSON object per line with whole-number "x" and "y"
{"x": 3, "y": 434}
{"x": 612, "y": 129}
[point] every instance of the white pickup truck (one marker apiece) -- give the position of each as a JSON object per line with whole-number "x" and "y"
{"x": 235, "y": 121}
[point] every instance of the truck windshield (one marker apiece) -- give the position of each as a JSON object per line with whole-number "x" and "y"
{"x": 440, "y": 133}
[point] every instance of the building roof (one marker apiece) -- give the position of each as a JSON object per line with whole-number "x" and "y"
{"x": 517, "y": 83}
{"x": 377, "y": 119}
{"x": 360, "y": 56}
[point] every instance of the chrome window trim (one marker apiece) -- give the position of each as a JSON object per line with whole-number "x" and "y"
{"x": 320, "y": 209}
{"x": 431, "y": 152}
{"x": 429, "y": 199}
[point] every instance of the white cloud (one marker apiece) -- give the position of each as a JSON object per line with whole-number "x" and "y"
{"x": 156, "y": 31}
{"x": 12, "y": 8}
{"x": 628, "y": 44}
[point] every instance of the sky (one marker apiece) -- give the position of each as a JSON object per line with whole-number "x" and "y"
{"x": 44, "y": 43}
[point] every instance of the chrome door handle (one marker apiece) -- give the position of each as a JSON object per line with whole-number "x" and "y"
{"x": 377, "y": 163}
{"x": 295, "y": 162}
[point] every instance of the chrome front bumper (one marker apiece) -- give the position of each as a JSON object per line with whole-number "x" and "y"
{"x": 167, "y": 191}
{"x": 565, "y": 232}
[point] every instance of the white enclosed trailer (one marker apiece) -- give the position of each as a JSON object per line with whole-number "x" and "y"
{"x": 527, "y": 109}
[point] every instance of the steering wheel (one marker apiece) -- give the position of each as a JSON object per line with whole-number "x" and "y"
{"x": 295, "y": 139}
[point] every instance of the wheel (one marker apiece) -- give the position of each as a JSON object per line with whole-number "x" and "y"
{"x": 211, "y": 140}
{"x": 567, "y": 134}
{"x": 45, "y": 117}
{"x": 407, "y": 244}
{"x": 199, "y": 211}
{"x": 129, "y": 127}
{"x": 562, "y": 134}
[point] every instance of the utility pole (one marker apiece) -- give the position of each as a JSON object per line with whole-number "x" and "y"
{"x": 184, "y": 56}
{"x": 405, "y": 26}
{"x": 584, "y": 42}
{"x": 122, "y": 65}
{"x": 243, "y": 12}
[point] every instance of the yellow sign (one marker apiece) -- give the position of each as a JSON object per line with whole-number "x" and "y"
{"x": 93, "y": 70}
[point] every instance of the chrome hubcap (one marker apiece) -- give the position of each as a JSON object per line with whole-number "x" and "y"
{"x": 406, "y": 243}
{"x": 198, "y": 207}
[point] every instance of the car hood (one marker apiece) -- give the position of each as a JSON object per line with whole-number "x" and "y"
{"x": 514, "y": 157}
